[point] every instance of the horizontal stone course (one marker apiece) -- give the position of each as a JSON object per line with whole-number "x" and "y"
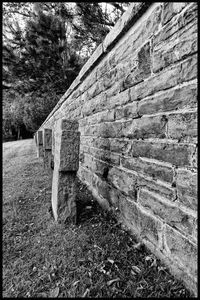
{"x": 170, "y": 50}
{"x": 168, "y": 211}
{"x": 182, "y": 125}
{"x": 186, "y": 184}
{"x": 172, "y": 99}
{"x": 152, "y": 169}
{"x": 181, "y": 250}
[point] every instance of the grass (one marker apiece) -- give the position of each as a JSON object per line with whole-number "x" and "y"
{"x": 95, "y": 258}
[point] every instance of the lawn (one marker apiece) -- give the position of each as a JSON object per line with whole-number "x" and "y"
{"x": 94, "y": 258}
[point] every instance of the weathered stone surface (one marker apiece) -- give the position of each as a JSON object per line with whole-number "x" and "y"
{"x": 85, "y": 175}
{"x": 107, "y": 156}
{"x": 108, "y": 129}
{"x": 48, "y": 159}
{"x": 186, "y": 184}
{"x": 127, "y": 111}
{"x": 181, "y": 250}
{"x": 177, "y": 154}
{"x": 104, "y": 116}
{"x": 142, "y": 69}
{"x": 173, "y": 99}
{"x": 167, "y": 211}
{"x": 169, "y": 51}
{"x": 124, "y": 181}
{"x": 63, "y": 196}
{"x": 156, "y": 83}
{"x": 109, "y": 78}
{"x": 67, "y": 154}
{"x": 47, "y": 136}
{"x": 66, "y": 162}
{"x": 131, "y": 214}
{"x": 145, "y": 127}
{"x": 150, "y": 227}
{"x": 182, "y": 125}
{"x": 40, "y": 137}
{"x": 153, "y": 169}
{"x": 170, "y": 9}
{"x": 189, "y": 69}
{"x": 69, "y": 125}
{"x": 159, "y": 187}
{"x": 97, "y": 104}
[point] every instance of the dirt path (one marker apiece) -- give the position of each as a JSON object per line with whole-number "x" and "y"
{"x": 95, "y": 258}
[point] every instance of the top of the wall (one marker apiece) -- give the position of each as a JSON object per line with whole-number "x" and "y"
{"x": 132, "y": 14}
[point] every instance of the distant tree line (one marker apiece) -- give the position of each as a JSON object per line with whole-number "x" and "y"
{"x": 44, "y": 47}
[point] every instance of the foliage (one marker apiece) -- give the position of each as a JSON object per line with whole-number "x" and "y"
{"x": 45, "y": 44}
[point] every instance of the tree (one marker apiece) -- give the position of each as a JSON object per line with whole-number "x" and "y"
{"x": 43, "y": 52}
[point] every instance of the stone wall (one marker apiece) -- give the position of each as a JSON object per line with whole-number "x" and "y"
{"x": 136, "y": 103}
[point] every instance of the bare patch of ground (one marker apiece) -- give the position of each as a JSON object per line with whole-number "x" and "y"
{"x": 94, "y": 258}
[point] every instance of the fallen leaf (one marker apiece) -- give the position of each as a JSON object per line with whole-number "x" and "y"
{"x": 54, "y": 293}
{"x": 111, "y": 261}
{"x": 148, "y": 258}
{"x": 75, "y": 283}
{"x": 85, "y": 293}
{"x": 112, "y": 281}
{"x": 136, "y": 269}
{"x": 138, "y": 246}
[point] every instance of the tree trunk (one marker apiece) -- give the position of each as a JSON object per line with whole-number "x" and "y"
{"x": 18, "y": 133}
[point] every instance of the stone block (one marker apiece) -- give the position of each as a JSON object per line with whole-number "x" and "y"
{"x": 182, "y": 125}
{"x": 121, "y": 146}
{"x": 40, "y": 137}
{"x": 145, "y": 127}
{"x": 40, "y": 151}
{"x": 94, "y": 90}
{"x": 102, "y": 188}
{"x": 171, "y": 9}
{"x": 189, "y": 69}
{"x": 159, "y": 187}
{"x": 153, "y": 169}
{"x": 127, "y": 111}
{"x": 85, "y": 175}
{"x": 124, "y": 181}
{"x": 47, "y": 137}
{"x": 186, "y": 184}
{"x": 173, "y": 99}
{"x": 181, "y": 249}
{"x": 121, "y": 98}
{"x": 176, "y": 154}
{"x": 156, "y": 83}
{"x": 63, "y": 196}
{"x": 150, "y": 227}
{"x": 48, "y": 159}
{"x": 97, "y": 104}
{"x": 69, "y": 125}
{"x": 108, "y": 129}
{"x": 142, "y": 69}
{"x": 102, "y": 68}
{"x": 180, "y": 45}
{"x": 109, "y": 78}
{"x": 130, "y": 213}
{"x": 104, "y": 116}
{"x": 166, "y": 210}
{"x": 67, "y": 153}
{"x": 106, "y": 156}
